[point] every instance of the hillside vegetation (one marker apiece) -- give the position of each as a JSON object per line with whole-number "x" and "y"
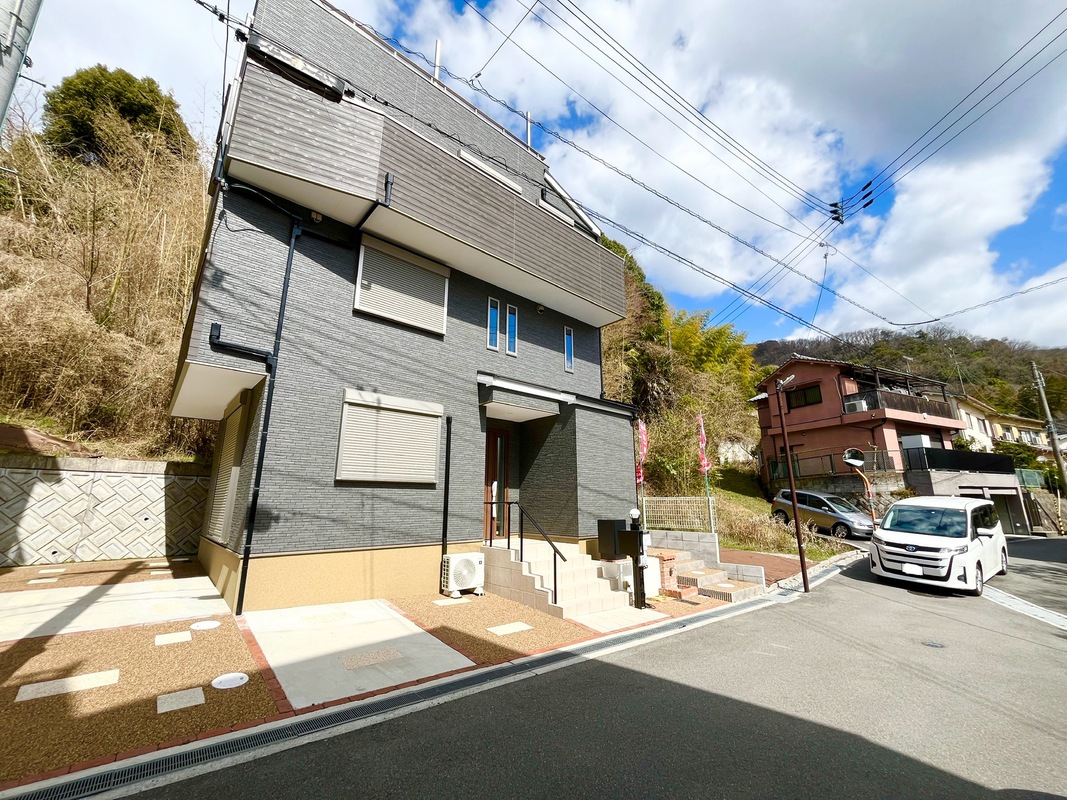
{"x": 99, "y": 250}
{"x": 673, "y": 366}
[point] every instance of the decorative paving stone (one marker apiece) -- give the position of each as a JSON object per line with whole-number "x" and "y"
{"x": 511, "y": 627}
{"x": 178, "y": 700}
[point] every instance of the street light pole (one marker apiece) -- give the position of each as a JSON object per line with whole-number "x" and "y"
{"x": 792, "y": 482}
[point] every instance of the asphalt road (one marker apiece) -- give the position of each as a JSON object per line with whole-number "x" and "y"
{"x": 858, "y": 690}
{"x": 1037, "y": 571}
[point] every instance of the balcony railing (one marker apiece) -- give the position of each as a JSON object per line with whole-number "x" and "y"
{"x": 925, "y": 458}
{"x": 831, "y": 464}
{"x": 883, "y": 398}
{"x": 915, "y": 458}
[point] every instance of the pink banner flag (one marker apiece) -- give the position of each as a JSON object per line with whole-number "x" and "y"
{"x": 642, "y": 450}
{"x": 705, "y": 465}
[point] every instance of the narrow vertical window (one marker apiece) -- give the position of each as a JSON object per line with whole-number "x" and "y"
{"x": 568, "y": 349}
{"x": 513, "y": 331}
{"x": 492, "y": 332}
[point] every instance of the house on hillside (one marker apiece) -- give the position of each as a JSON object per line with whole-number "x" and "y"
{"x": 396, "y": 322}
{"x": 903, "y": 423}
{"x": 986, "y": 425}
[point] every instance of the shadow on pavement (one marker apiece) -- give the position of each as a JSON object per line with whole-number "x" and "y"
{"x": 593, "y": 730}
{"x": 861, "y": 573}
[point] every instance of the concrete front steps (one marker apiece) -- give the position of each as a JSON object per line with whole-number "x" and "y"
{"x": 683, "y": 576}
{"x": 529, "y": 581}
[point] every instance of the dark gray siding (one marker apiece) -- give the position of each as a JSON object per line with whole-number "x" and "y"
{"x": 372, "y": 68}
{"x": 327, "y": 347}
{"x": 241, "y": 281}
{"x": 288, "y": 129}
{"x": 549, "y": 477}
{"x": 274, "y": 124}
{"x": 606, "y": 487}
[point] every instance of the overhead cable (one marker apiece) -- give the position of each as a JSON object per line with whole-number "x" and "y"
{"x": 891, "y": 178}
{"x": 679, "y": 104}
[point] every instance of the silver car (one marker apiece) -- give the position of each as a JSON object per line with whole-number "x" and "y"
{"x": 827, "y": 511}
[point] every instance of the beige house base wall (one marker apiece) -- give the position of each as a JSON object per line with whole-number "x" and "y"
{"x": 306, "y": 579}
{"x": 223, "y": 567}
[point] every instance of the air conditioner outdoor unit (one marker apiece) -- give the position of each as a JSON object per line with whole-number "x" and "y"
{"x": 852, "y": 406}
{"x": 463, "y": 571}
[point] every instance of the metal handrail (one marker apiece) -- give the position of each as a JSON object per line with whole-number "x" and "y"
{"x": 522, "y": 538}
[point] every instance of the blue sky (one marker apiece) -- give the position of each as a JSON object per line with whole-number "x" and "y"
{"x": 826, "y": 93}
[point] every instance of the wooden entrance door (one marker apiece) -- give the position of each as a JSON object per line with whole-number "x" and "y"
{"x": 496, "y": 482}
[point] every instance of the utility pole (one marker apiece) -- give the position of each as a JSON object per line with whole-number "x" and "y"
{"x": 792, "y": 482}
{"x": 1039, "y": 381}
{"x": 16, "y": 30}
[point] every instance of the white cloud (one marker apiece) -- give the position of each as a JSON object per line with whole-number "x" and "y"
{"x": 820, "y": 91}
{"x": 1059, "y": 218}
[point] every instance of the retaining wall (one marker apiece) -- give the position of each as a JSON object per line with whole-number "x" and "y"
{"x": 55, "y": 510}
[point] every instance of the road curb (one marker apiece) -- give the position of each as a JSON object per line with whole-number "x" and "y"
{"x": 824, "y": 571}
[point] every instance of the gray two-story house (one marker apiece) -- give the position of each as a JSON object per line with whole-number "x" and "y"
{"x": 396, "y": 322}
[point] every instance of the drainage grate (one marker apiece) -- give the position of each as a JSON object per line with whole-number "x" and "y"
{"x": 124, "y": 776}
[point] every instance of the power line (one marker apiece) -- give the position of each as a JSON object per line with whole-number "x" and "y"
{"x": 469, "y": 82}
{"x": 636, "y": 236}
{"x": 644, "y": 240}
{"x": 891, "y": 177}
{"x": 980, "y": 116}
{"x": 994, "y": 301}
{"x": 677, "y": 103}
{"x": 641, "y": 184}
{"x": 592, "y": 25}
{"x": 739, "y": 305}
{"x": 506, "y": 39}
{"x": 774, "y": 280}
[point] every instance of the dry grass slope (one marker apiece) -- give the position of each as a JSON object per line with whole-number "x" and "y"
{"x": 97, "y": 262}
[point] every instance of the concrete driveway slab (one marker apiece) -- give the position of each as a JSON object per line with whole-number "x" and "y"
{"x": 47, "y": 612}
{"x": 328, "y": 652}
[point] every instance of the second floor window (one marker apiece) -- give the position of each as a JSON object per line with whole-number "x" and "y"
{"x": 492, "y": 326}
{"x": 512, "y": 331}
{"x": 568, "y": 349}
{"x": 401, "y": 286}
{"x": 807, "y": 396}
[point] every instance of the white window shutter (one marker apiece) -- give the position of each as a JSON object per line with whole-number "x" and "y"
{"x": 222, "y": 495}
{"x": 396, "y": 288}
{"x": 388, "y": 440}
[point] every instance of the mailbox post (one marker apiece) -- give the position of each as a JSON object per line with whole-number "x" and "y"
{"x": 617, "y": 542}
{"x": 637, "y": 552}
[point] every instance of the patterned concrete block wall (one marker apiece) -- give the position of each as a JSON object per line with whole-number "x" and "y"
{"x": 700, "y": 544}
{"x": 56, "y": 510}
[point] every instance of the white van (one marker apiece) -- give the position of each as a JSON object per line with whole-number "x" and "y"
{"x": 955, "y": 542}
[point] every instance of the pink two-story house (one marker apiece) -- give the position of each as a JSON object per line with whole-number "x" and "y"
{"x": 903, "y": 423}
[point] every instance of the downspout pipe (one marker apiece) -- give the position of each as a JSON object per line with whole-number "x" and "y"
{"x": 271, "y": 360}
{"x": 448, "y": 473}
